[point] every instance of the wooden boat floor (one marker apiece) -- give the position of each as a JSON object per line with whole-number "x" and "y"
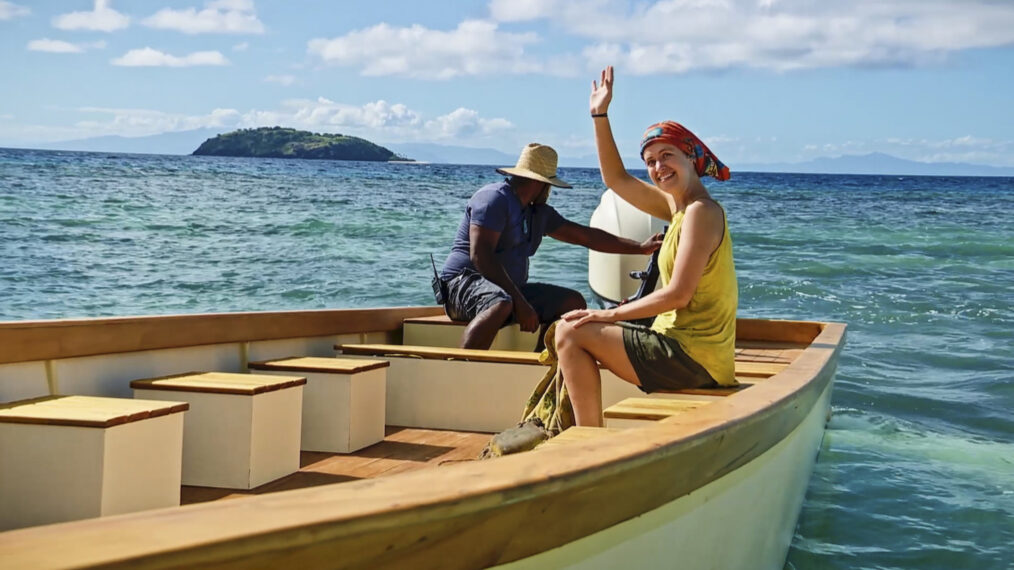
{"x": 403, "y": 449}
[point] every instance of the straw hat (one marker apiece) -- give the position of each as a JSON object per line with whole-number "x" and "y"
{"x": 537, "y": 162}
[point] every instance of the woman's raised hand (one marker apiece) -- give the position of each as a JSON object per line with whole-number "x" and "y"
{"x": 601, "y": 92}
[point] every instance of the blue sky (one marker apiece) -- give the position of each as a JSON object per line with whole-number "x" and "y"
{"x": 759, "y": 80}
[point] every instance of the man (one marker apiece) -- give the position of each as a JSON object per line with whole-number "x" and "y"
{"x": 486, "y": 273}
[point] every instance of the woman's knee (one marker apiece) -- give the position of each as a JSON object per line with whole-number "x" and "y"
{"x": 564, "y": 333}
{"x": 569, "y": 336}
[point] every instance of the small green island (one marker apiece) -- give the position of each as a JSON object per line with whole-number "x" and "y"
{"x": 278, "y": 142}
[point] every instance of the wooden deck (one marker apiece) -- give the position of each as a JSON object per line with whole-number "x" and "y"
{"x": 403, "y": 449}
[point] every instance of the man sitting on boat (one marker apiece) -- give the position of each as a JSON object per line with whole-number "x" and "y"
{"x": 486, "y": 273}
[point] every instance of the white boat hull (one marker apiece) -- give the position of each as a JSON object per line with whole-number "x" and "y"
{"x": 743, "y": 520}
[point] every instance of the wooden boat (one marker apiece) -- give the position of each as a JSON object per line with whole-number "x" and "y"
{"x": 717, "y": 482}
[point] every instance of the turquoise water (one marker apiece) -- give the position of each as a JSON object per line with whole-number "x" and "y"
{"x": 917, "y": 467}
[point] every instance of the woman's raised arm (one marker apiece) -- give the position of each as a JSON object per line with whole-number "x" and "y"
{"x": 637, "y": 192}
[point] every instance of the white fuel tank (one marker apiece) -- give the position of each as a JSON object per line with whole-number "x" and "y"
{"x": 609, "y": 273}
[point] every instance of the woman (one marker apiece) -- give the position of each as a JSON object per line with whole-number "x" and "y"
{"x": 692, "y": 341}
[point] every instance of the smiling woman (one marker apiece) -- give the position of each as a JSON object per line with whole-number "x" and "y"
{"x": 691, "y": 343}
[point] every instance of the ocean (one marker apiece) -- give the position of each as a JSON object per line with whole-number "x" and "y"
{"x": 917, "y": 466}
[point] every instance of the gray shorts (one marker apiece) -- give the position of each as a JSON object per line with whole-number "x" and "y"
{"x": 470, "y": 294}
{"x": 660, "y": 362}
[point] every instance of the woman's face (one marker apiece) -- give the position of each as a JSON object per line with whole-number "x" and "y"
{"x": 668, "y": 167}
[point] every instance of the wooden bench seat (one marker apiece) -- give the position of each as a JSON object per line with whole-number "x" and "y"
{"x": 442, "y": 331}
{"x": 242, "y": 429}
{"x": 441, "y": 353}
{"x": 634, "y": 412}
{"x": 652, "y": 409}
{"x": 343, "y": 401}
{"x": 72, "y": 457}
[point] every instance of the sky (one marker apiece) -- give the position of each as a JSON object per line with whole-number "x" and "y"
{"x": 761, "y": 81}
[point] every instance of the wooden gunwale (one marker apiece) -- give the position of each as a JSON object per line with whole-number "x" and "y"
{"x": 472, "y": 514}
{"x": 25, "y": 341}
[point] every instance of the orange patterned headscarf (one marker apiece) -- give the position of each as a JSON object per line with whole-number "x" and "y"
{"x": 705, "y": 161}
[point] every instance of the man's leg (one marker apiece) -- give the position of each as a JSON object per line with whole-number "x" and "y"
{"x": 482, "y": 304}
{"x": 482, "y": 330}
{"x": 551, "y": 302}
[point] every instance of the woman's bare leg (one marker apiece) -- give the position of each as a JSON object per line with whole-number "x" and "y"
{"x": 580, "y": 350}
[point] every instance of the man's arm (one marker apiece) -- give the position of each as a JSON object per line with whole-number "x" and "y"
{"x": 482, "y": 252}
{"x": 600, "y": 240}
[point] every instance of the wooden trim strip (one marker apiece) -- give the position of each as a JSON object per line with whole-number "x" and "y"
{"x": 435, "y": 320}
{"x": 25, "y": 341}
{"x": 798, "y": 332}
{"x": 708, "y": 391}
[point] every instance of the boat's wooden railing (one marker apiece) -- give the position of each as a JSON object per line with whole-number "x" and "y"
{"x": 101, "y": 356}
{"x": 24, "y": 341}
{"x": 471, "y": 514}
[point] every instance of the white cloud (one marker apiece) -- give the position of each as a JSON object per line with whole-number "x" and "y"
{"x": 322, "y": 113}
{"x": 464, "y": 123}
{"x": 217, "y": 17}
{"x": 675, "y": 36}
{"x": 475, "y": 47}
{"x": 9, "y": 10}
{"x": 242, "y": 46}
{"x": 54, "y": 46}
{"x": 102, "y": 19}
{"x": 148, "y": 57}
{"x": 143, "y": 122}
{"x": 522, "y": 10}
{"x": 377, "y": 120}
{"x": 60, "y": 46}
{"x": 285, "y": 80}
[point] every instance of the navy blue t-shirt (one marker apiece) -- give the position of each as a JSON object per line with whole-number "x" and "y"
{"x": 496, "y": 207}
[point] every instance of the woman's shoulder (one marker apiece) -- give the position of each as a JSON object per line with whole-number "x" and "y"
{"x": 706, "y": 209}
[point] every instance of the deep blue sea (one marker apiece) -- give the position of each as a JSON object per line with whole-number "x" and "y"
{"x": 917, "y": 467}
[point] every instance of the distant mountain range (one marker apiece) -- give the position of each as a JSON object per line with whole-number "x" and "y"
{"x": 445, "y": 154}
{"x": 180, "y": 142}
{"x": 879, "y": 163}
{"x": 185, "y": 142}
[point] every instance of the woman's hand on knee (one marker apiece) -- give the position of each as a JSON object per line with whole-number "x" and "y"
{"x": 583, "y": 316}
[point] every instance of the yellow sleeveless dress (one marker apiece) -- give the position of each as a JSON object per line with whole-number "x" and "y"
{"x": 706, "y": 328}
